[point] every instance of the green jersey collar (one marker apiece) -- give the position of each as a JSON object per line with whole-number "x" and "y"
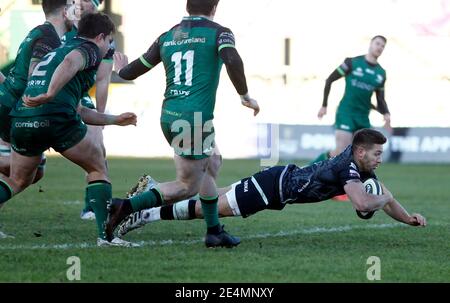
{"x": 195, "y": 18}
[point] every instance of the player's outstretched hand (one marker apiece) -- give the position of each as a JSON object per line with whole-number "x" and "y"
{"x": 417, "y": 220}
{"x": 126, "y": 119}
{"x": 36, "y": 101}
{"x": 250, "y": 103}
{"x": 120, "y": 61}
{"x": 322, "y": 112}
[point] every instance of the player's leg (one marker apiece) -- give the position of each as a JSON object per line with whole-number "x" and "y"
{"x": 87, "y": 213}
{"x": 5, "y": 162}
{"x": 184, "y": 210}
{"x": 215, "y": 163}
{"x": 343, "y": 139}
{"x": 146, "y": 183}
{"x": 4, "y": 165}
{"x": 189, "y": 176}
{"x": 29, "y": 142}
{"x": 23, "y": 169}
{"x": 88, "y": 154}
{"x": 239, "y": 199}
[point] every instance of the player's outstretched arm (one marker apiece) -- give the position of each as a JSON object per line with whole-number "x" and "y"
{"x": 335, "y": 75}
{"x": 65, "y": 71}
{"x": 235, "y": 70}
{"x": 396, "y": 211}
{"x": 92, "y": 117}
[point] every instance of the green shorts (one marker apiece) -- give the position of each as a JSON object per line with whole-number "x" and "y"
{"x": 351, "y": 123}
{"x": 190, "y": 141}
{"x": 5, "y": 123}
{"x": 31, "y": 136}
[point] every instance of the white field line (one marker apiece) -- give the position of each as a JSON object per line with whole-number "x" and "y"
{"x": 312, "y": 230}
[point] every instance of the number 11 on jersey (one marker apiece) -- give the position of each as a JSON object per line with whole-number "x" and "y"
{"x": 189, "y": 58}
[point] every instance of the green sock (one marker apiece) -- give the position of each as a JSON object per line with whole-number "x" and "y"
{"x": 146, "y": 200}
{"x": 99, "y": 193}
{"x": 210, "y": 210}
{"x": 87, "y": 207}
{"x": 6, "y": 192}
{"x": 321, "y": 157}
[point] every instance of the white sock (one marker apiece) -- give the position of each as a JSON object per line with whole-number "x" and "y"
{"x": 5, "y": 150}
{"x": 151, "y": 214}
{"x": 181, "y": 210}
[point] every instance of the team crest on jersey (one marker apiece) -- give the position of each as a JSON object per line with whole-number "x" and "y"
{"x": 358, "y": 72}
{"x": 370, "y": 71}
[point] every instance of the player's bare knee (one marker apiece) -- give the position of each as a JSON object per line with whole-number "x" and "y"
{"x": 214, "y": 165}
{"x": 190, "y": 190}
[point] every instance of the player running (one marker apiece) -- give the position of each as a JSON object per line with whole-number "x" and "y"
{"x": 80, "y": 9}
{"x": 192, "y": 53}
{"x": 47, "y": 117}
{"x": 363, "y": 76}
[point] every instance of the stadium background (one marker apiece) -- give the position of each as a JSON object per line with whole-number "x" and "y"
{"x": 323, "y": 242}
{"x": 289, "y": 48}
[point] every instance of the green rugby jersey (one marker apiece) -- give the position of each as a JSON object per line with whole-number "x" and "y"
{"x": 39, "y": 41}
{"x": 190, "y": 54}
{"x": 69, "y": 35}
{"x": 67, "y": 99}
{"x": 86, "y": 100}
{"x": 361, "y": 80}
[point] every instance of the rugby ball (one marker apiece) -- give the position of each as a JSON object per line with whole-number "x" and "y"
{"x": 372, "y": 186}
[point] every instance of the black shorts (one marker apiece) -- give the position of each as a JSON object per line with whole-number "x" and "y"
{"x": 256, "y": 193}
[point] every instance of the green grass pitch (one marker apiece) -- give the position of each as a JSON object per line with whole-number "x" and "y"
{"x": 322, "y": 242}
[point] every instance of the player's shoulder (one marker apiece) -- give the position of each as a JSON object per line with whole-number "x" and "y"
{"x": 38, "y": 32}
{"x": 345, "y": 160}
{"x": 45, "y": 30}
{"x": 360, "y": 58}
{"x": 207, "y": 23}
{"x": 381, "y": 69}
{"x": 221, "y": 28}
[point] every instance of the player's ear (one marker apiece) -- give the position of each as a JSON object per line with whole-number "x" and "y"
{"x": 360, "y": 152}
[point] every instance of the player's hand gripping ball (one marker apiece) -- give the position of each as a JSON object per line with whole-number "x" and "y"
{"x": 372, "y": 186}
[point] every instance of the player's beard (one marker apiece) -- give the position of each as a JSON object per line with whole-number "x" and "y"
{"x": 68, "y": 24}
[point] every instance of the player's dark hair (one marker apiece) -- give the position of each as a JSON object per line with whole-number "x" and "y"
{"x": 367, "y": 137}
{"x": 379, "y": 36}
{"x": 200, "y": 7}
{"x": 92, "y": 25}
{"x": 51, "y": 6}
